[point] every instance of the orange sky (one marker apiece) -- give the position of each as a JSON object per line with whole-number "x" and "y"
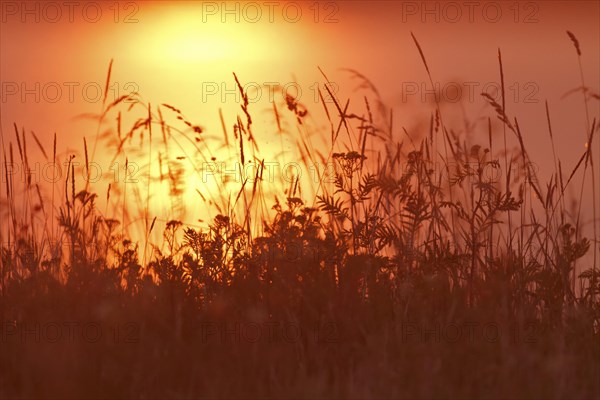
{"x": 178, "y": 53}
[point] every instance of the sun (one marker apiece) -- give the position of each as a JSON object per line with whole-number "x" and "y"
{"x": 181, "y": 35}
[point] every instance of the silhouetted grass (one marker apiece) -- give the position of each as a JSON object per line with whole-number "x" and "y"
{"x": 412, "y": 272}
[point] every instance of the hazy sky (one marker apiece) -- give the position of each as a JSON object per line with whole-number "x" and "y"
{"x": 171, "y": 52}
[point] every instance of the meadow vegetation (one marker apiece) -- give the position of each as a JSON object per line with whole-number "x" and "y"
{"x": 423, "y": 266}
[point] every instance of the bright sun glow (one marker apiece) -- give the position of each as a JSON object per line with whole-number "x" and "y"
{"x": 180, "y": 37}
